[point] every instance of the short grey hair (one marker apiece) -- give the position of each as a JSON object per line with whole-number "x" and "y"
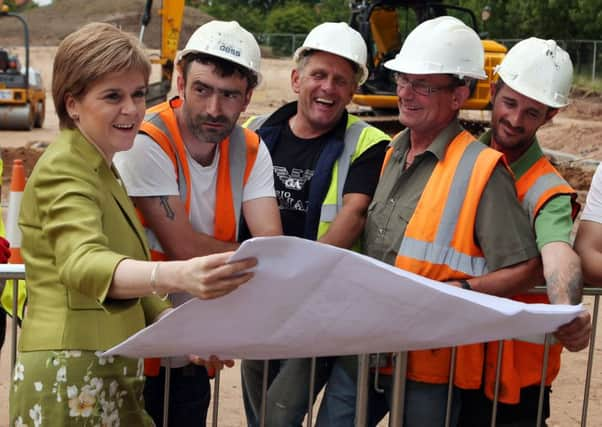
{"x": 304, "y": 59}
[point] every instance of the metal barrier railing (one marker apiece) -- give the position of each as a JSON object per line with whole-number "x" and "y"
{"x": 399, "y": 375}
{"x": 10, "y": 274}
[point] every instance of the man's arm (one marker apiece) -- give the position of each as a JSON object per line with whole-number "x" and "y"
{"x": 562, "y": 272}
{"x": 347, "y": 226}
{"x": 512, "y": 280}
{"x": 349, "y": 222}
{"x": 166, "y": 216}
{"x": 564, "y": 284}
{"x": 262, "y": 216}
{"x": 588, "y": 245}
{"x": 505, "y": 235}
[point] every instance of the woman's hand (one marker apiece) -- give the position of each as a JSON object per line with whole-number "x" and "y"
{"x": 212, "y": 276}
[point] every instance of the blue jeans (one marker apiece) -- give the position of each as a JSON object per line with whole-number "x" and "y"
{"x": 189, "y": 395}
{"x": 425, "y": 404}
{"x": 338, "y": 403}
{"x": 288, "y": 390}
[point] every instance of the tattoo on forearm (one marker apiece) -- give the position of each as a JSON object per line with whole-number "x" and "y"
{"x": 567, "y": 289}
{"x": 575, "y": 284}
{"x": 169, "y": 213}
{"x": 553, "y": 286}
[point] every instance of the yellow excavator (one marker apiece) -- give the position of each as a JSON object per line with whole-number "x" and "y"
{"x": 384, "y": 23}
{"x": 22, "y": 93}
{"x": 171, "y": 13}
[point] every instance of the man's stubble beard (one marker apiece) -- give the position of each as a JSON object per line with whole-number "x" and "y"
{"x": 195, "y": 125}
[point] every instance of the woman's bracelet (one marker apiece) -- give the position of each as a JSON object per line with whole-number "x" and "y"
{"x": 153, "y": 281}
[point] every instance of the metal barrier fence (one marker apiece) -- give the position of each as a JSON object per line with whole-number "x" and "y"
{"x": 10, "y": 274}
{"x": 282, "y": 44}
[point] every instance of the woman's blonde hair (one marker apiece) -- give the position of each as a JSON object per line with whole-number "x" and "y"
{"x": 88, "y": 54}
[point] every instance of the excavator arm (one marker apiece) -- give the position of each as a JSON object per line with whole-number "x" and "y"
{"x": 171, "y": 13}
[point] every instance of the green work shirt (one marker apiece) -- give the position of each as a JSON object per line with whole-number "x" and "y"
{"x": 554, "y": 221}
{"x": 502, "y": 228}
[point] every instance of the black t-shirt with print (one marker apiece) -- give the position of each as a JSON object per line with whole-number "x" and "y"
{"x": 294, "y": 162}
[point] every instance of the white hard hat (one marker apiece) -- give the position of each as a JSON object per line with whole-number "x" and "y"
{"x": 226, "y": 40}
{"x": 443, "y": 45}
{"x": 339, "y": 39}
{"x": 540, "y": 70}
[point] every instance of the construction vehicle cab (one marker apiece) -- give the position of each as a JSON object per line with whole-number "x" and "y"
{"x": 384, "y": 24}
{"x": 22, "y": 93}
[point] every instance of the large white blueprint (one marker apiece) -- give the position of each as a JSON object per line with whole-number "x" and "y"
{"x": 310, "y": 299}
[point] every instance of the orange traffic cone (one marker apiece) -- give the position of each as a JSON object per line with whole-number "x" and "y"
{"x": 13, "y": 234}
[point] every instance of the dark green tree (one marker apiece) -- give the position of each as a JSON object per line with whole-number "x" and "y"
{"x": 246, "y": 15}
{"x": 294, "y": 17}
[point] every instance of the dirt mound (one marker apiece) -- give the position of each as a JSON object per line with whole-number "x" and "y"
{"x": 48, "y": 25}
{"x": 585, "y": 107}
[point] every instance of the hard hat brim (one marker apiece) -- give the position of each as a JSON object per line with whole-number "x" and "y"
{"x": 299, "y": 53}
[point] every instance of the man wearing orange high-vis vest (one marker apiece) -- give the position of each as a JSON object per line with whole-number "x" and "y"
{"x": 534, "y": 82}
{"x": 445, "y": 208}
{"x": 193, "y": 174}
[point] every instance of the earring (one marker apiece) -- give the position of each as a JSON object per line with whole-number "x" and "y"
{"x": 75, "y": 117}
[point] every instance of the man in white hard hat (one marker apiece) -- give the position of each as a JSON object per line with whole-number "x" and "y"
{"x": 445, "y": 208}
{"x": 193, "y": 174}
{"x": 534, "y": 82}
{"x": 326, "y": 166}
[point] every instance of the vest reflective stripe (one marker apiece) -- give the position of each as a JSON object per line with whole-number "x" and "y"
{"x": 540, "y": 183}
{"x": 359, "y": 136}
{"x": 165, "y": 136}
{"x": 440, "y": 251}
{"x": 238, "y": 162}
{"x": 352, "y": 136}
{"x": 255, "y": 122}
{"x": 522, "y": 357}
{"x": 237, "y": 157}
{"x": 441, "y": 232}
{"x": 438, "y": 254}
{"x": 531, "y": 201}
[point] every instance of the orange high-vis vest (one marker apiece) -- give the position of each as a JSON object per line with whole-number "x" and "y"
{"x": 522, "y": 360}
{"x": 439, "y": 243}
{"x": 237, "y": 157}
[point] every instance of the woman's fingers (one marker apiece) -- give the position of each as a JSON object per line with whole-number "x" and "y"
{"x": 223, "y": 286}
{"x": 213, "y": 276}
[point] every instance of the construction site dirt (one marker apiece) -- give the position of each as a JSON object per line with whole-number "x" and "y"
{"x": 576, "y": 131}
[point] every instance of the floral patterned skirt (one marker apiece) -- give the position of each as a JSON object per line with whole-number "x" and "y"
{"x": 77, "y": 388}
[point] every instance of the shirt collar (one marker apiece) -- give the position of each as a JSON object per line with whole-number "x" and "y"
{"x": 439, "y": 144}
{"x": 525, "y": 161}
